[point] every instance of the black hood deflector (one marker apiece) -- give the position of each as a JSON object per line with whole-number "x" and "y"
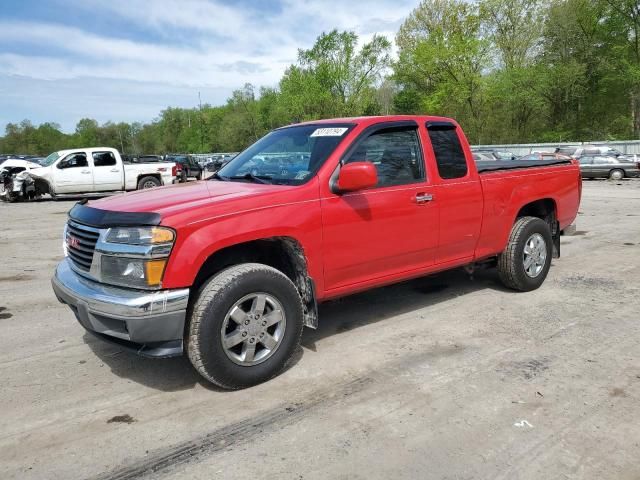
{"x": 95, "y": 217}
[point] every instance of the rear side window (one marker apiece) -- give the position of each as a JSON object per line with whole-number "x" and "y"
{"x": 104, "y": 159}
{"x": 450, "y": 157}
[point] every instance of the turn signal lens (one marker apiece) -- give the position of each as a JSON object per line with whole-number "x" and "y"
{"x": 154, "y": 270}
{"x": 161, "y": 235}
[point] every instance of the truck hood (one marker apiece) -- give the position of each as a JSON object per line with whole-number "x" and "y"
{"x": 40, "y": 172}
{"x": 174, "y": 199}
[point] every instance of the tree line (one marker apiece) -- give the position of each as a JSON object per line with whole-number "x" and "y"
{"x": 510, "y": 71}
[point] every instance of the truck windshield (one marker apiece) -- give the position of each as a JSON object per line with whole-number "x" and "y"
{"x": 287, "y": 156}
{"x": 50, "y": 159}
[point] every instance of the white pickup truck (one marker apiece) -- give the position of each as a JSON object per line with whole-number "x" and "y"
{"x": 86, "y": 171}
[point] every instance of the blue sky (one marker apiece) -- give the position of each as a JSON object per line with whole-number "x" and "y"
{"x": 125, "y": 60}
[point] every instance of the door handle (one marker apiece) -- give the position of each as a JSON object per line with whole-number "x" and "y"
{"x": 114, "y": 170}
{"x": 85, "y": 171}
{"x": 423, "y": 198}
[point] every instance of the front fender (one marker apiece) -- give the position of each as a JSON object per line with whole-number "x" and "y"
{"x": 196, "y": 243}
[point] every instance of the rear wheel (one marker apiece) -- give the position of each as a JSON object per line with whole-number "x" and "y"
{"x": 616, "y": 174}
{"x": 148, "y": 182}
{"x": 525, "y": 262}
{"x": 244, "y": 326}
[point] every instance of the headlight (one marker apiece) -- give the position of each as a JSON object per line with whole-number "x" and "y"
{"x": 135, "y": 257}
{"x": 140, "y": 235}
{"x": 132, "y": 272}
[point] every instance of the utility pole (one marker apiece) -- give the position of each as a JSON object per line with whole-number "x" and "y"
{"x": 201, "y": 130}
{"x": 121, "y": 143}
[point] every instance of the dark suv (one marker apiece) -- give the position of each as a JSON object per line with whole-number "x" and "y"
{"x": 188, "y": 167}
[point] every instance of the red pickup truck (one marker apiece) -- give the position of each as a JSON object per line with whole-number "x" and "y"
{"x": 231, "y": 269}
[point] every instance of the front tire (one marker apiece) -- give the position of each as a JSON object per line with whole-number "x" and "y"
{"x": 525, "y": 262}
{"x": 244, "y": 326}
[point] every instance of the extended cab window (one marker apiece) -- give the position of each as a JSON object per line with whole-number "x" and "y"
{"x": 74, "y": 160}
{"x": 450, "y": 157}
{"x": 104, "y": 159}
{"x": 396, "y": 154}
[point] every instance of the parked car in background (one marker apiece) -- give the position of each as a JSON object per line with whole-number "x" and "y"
{"x": 607, "y": 166}
{"x": 482, "y": 157}
{"x": 86, "y": 171}
{"x": 188, "y": 167}
{"x": 148, "y": 159}
{"x": 545, "y": 156}
{"x": 493, "y": 154}
{"x": 16, "y": 163}
{"x": 9, "y": 168}
{"x": 578, "y": 151}
{"x": 218, "y": 161}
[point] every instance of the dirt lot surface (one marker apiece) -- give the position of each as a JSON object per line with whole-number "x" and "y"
{"x": 445, "y": 377}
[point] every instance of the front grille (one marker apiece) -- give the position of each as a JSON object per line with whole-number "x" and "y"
{"x": 81, "y": 243}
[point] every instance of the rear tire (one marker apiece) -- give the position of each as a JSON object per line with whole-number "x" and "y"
{"x": 227, "y": 315}
{"x": 616, "y": 174}
{"x": 525, "y": 262}
{"x": 148, "y": 182}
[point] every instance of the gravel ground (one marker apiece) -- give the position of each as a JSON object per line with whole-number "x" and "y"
{"x": 445, "y": 377}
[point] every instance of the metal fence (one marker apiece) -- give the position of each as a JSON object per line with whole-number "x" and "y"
{"x": 630, "y": 147}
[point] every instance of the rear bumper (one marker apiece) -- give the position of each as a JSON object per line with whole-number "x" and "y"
{"x": 151, "y": 323}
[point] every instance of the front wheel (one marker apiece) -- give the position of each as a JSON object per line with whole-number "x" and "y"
{"x": 525, "y": 262}
{"x": 244, "y": 326}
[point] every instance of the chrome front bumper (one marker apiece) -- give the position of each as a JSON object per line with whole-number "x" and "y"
{"x": 149, "y": 322}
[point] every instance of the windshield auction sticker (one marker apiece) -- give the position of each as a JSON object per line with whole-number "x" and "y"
{"x": 329, "y": 132}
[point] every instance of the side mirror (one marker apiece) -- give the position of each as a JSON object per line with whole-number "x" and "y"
{"x": 357, "y": 176}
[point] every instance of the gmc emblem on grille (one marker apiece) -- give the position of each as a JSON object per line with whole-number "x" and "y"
{"x": 73, "y": 242}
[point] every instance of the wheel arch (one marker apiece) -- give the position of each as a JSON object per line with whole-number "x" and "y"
{"x": 545, "y": 209}
{"x": 617, "y": 169}
{"x": 155, "y": 175}
{"x": 283, "y": 253}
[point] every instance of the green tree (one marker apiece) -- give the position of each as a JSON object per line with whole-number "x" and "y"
{"x": 334, "y": 77}
{"x": 441, "y": 60}
{"x": 86, "y": 133}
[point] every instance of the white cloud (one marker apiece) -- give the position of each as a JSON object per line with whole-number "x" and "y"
{"x": 191, "y": 45}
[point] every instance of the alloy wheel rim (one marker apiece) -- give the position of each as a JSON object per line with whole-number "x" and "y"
{"x": 148, "y": 184}
{"x": 253, "y": 329}
{"x": 534, "y": 255}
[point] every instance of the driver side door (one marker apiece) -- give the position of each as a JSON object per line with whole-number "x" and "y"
{"x": 388, "y": 230}
{"x": 74, "y": 174}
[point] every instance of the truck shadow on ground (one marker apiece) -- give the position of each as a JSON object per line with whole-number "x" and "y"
{"x": 349, "y": 313}
{"x": 336, "y": 317}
